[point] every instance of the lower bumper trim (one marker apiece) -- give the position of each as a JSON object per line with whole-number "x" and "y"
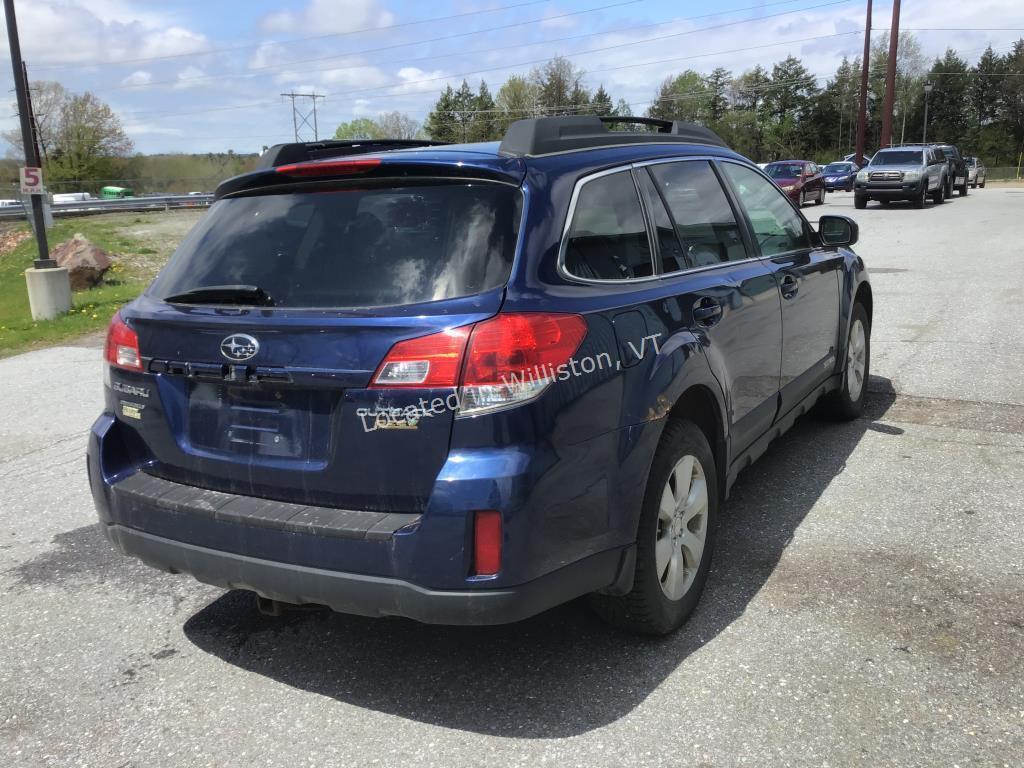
{"x": 370, "y": 595}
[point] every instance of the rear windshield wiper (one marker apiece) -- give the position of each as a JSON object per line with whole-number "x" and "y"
{"x": 224, "y": 294}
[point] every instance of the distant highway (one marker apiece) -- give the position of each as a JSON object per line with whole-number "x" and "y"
{"x": 96, "y": 207}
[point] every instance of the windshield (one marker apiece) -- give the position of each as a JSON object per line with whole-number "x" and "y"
{"x": 838, "y": 167}
{"x": 899, "y": 157}
{"x": 784, "y": 170}
{"x": 350, "y": 248}
{"x": 971, "y": 161}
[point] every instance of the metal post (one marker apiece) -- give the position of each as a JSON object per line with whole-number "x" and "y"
{"x": 924, "y": 135}
{"x": 862, "y": 115}
{"x": 890, "y": 76}
{"x": 31, "y": 158}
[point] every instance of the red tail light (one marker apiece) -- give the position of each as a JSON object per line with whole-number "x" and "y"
{"x": 486, "y": 543}
{"x": 330, "y": 168}
{"x": 509, "y": 359}
{"x": 429, "y": 361}
{"x": 519, "y": 346}
{"x": 123, "y": 345}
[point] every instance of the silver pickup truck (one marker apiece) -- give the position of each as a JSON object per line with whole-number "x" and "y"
{"x": 903, "y": 173}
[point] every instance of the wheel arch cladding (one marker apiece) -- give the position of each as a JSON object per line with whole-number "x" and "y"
{"x": 865, "y": 298}
{"x": 699, "y": 405}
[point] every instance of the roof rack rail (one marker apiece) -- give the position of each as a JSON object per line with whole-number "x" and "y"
{"x": 547, "y": 135}
{"x": 282, "y": 154}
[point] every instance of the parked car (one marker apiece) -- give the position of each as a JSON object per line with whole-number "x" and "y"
{"x": 464, "y": 384}
{"x": 840, "y": 175}
{"x": 800, "y": 179}
{"x": 71, "y": 197}
{"x": 975, "y": 172}
{"x": 957, "y": 177}
{"x": 903, "y": 173}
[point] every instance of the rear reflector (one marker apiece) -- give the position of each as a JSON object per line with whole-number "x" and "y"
{"x": 509, "y": 359}
{"x": 429, "y": 361}
{"x": 330, "y": 168}
{"x": 123, "y": 345}
{"x": 486, "y": 543}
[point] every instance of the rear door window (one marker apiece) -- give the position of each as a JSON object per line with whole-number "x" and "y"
{"x": 357, "y": 247}
{"x": 607, "y": 238}
{"x": 778, "y": 228}
{"x": 703, "y": 218}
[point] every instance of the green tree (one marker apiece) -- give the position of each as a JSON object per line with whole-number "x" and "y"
{"x": 949, "y": 115}
{"x": 682, "y": 97}
{"x": 516, "y": 100}
{"x": 441, "y": 124}
{"x": 559, "y": 87}
{"x": 89, "y": 139}
{"x": 359, "y": 128}
{"x": 601, "y": 104}
{"x": 717, "y": 86}
{"x": 484, "y": 120}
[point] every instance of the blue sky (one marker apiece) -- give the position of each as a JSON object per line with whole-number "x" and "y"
{"x": 205, "y": 75}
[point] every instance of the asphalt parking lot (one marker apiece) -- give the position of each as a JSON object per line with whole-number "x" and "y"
{"x": 866, "y": 605}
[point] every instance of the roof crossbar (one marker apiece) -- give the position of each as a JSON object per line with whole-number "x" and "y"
{"x": 548, "y": 135}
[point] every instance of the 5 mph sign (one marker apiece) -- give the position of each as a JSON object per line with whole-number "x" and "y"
{"x": 31, "y": 181}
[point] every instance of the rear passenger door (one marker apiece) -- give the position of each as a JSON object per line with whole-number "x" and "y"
{"x": 725, "y": 296}
{"x": 807, "y": 277}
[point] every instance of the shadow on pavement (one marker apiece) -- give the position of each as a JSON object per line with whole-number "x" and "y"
{"x": 562, "y": 673}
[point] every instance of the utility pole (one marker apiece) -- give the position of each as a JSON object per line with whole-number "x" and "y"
{"x": 890, "y": 76}
{"x": 49, "y": 288}
{"x": 304, "y": 119}
{"x": 27, "y": 134}
{"x": 862, "y": 114}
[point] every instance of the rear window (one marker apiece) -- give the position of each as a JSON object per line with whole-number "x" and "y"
{"x": 351, "y": 248}
{"x": 784, "y": 170}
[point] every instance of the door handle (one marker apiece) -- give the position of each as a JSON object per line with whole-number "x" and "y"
{"x": 707, "y": 311}
{"x": 790, "y": 286}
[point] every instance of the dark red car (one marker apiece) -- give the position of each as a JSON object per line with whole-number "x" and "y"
{"x": 800, "y": 179}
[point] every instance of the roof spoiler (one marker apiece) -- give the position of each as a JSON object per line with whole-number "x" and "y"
{"x": 285, "y": 154}
{"x": 548, "y": 135}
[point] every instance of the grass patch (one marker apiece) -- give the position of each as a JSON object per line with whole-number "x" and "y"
{"x": 139, "y": 246}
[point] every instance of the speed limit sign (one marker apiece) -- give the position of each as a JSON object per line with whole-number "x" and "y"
{"x": 31, "y": 181}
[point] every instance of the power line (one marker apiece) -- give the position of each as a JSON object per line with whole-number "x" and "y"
{"x": 256, "y": 71}
{"x": 227, "y": 49}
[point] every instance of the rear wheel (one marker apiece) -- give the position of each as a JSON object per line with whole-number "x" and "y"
{"x": 948, "y": 188}
{"x": 938, "y": 195}
{"x": 821, "y": 197}
{"x": 982, "y": 185}
{"x": 847, "y": 402}
{"x": 860, "y": 201}
{"x": 800, "y": 204}
{"x": 675, "y": 537}
{"x": 963, "y": 188}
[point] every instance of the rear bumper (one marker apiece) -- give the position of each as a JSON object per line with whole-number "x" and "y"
{"x": 354, "y": 561}
{"x": 367, "y": 595}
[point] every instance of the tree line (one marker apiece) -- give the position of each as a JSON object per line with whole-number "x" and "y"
{"x": 779, "y": 112}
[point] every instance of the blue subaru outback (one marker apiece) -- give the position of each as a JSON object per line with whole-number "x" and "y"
{"x": 464, "y": 384}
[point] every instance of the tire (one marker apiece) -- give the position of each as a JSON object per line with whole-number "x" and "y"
{"x": 963, "y": 188}
{"x": 658, "y": 602}
{"x": 860, "y": 202}
{"x": 939, "y": 195}
{"x": 982, "y": 185}
{"x": 800, "y": 204}
{"x": 847, "y": 402}
{"x": 821, "y": 197}
{"x": 884, "y": 203}
{"x": 948, "y": 189}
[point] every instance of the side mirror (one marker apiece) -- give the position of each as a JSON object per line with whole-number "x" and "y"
{"x": 836, "y": 231}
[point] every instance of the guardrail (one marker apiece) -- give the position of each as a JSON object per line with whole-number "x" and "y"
{"x": 125, "y": 204}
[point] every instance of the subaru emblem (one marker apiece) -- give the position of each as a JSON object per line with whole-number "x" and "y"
{"x": 239, "y": 346}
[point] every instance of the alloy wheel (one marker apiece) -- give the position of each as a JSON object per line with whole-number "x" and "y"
{"x": 682, "y": 527}
{"x": 856, "y": 358}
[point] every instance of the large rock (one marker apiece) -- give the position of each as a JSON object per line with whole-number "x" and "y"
{"x": 85, "y": 261}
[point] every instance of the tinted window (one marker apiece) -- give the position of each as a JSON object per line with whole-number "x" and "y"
{"x": 784, "y": 170}
{"x": 670, "y": 252}
{"x": 703, "y": 217}
{"x": 778, "y": 228}
{"x": 898, "y": 157}
{"x": 353, "y": 248}
{"x": 608, "y": 236}
{"x": 839, "y": 168}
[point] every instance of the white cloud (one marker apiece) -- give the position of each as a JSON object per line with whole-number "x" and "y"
{"x": 187, "y": 77}
{"x": 326, "y": 17}
{"x": 138, "y": 77}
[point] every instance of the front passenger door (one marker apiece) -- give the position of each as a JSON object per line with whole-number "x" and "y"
{"x": 807, "y": 279}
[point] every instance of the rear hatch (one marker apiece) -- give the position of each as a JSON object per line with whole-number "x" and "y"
{"x": 263, "y": 332}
